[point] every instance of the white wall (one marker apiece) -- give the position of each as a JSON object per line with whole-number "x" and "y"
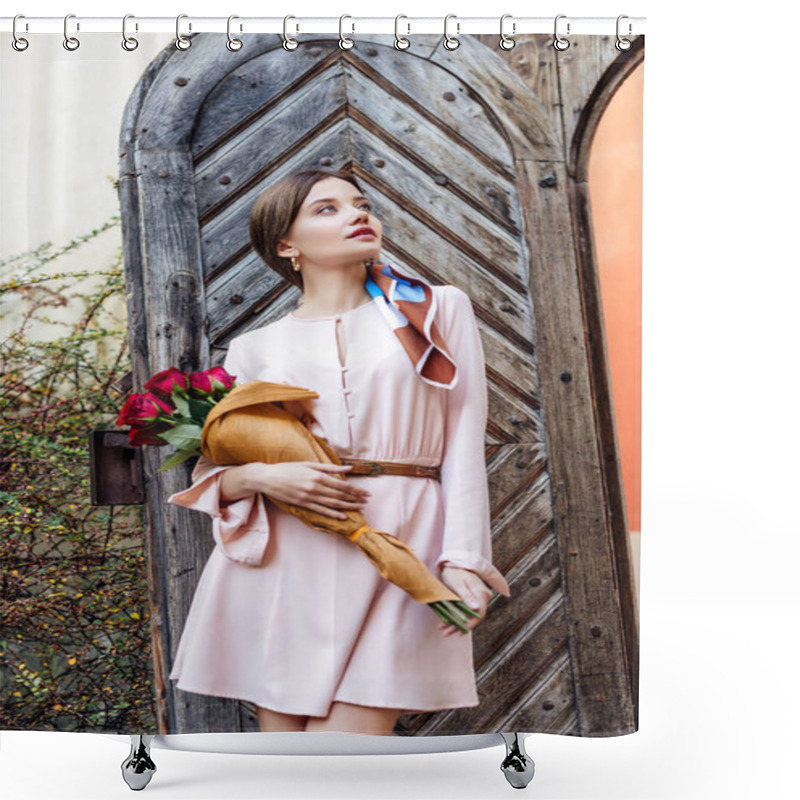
{"x": 60, "y": 117}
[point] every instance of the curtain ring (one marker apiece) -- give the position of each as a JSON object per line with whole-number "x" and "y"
{"x": 451, "y": 42}
{"x": 507, "y": 42}
{"x": 344, "y": 42}
{"x": 128, "y": 42}
{"x": 181, "y": 41}
{"x": 70, "y": 42}
{"x": 400, "y": 43}
{"x": 233, "y": 44}
{"x": 560, "y": 43}
{"x": 18, "y": 42}
{"x": 288, "y": 44}
{"x": 623, "y": 44}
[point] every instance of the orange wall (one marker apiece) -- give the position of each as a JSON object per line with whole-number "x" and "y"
{"x": 615, "y": 194}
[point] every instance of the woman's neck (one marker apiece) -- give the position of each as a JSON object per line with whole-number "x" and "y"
{"x": 328, "y": 295}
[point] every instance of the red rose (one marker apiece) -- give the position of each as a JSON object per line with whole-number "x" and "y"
{"x": 164, "y": 383}
{"x": 141, "y": 410}
{"x": 213, "y": 382}
{"x": 221, "y": 375}
{"x": 149, "y": 435}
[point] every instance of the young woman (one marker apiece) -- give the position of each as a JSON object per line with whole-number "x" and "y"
{"x": 299, "y": 622}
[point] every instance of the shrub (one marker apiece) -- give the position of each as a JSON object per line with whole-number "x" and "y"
{"x": 75, "y": 649}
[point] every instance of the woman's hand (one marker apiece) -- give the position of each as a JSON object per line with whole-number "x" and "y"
{"x": 471, "y": 589}
{"x": 312, "y": 485}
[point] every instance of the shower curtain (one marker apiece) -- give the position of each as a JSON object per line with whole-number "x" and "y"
{"x": 507, "y": 180}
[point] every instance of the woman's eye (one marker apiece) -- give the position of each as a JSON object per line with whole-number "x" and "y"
{"x": 366, "y": 205}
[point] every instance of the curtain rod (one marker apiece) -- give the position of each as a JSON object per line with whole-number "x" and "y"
{"x": 407, "y": 26}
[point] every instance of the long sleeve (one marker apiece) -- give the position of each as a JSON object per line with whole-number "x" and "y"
{"x": 467, "y": 529}
{"x": 240, "y": 527}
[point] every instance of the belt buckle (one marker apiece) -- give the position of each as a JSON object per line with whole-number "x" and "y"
{"x": 377, "y": 469}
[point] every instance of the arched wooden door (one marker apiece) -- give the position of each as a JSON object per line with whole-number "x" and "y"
{"x": 463, "y": 166}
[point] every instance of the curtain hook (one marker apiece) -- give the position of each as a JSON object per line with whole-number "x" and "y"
{"x": 70, "y": 42}
{"x": 451, "y": 42}
{"x": 560, "y": 42}
{"x": 344, "y": 42}
{"x": 400, "y": 43}
{"x": 623, "y": 44}
{"x": 18, "y": 42}
{"x": 128, "y": 42}
{"x": 507, "y": 42}
{"x": 233, "y": 44}
{"x": 181, "y": 41}
{"x": 288, "y": 43}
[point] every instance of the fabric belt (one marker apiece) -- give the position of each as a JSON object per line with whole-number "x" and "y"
{"x": 364, "y": 467}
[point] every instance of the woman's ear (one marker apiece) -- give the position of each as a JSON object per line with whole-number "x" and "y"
{"x": 285, "y": 250}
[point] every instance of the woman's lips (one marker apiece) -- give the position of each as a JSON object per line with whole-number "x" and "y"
{"x": 363, "y": 233}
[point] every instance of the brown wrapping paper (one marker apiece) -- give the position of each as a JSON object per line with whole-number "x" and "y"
{"x": 250, "y": 424}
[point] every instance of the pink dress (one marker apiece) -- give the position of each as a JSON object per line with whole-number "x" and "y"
{"x": 293, "y": 619}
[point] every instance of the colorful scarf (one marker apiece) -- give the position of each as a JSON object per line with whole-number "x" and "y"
{"x": 409, "y": 307}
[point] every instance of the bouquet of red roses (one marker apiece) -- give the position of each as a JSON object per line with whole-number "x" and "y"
{"x": 174, "y": 410}
{"x": 250, "y": 426}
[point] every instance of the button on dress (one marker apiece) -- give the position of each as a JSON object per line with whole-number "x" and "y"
{"x": 293, "y": 619}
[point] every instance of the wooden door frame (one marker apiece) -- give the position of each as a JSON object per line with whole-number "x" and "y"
{"x": 588, "y": 275}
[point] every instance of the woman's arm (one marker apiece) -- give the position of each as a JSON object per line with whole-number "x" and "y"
{"x": 236, "y": 483}
{"x": 240, "y": 523}
{"x": 467, "y": 533}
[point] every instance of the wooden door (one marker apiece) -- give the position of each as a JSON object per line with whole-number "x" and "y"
{"x": 471, "y": 175}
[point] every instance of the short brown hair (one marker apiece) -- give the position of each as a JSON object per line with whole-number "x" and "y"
{"x": 275, "y": 210}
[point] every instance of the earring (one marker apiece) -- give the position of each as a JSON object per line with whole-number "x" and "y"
{"x": 295, "y": 264}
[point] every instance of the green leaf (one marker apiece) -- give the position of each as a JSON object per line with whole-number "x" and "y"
{"x": 199, "y": 409}
{"x": 187, "y": 434}
{"x": 177, "y": 458}
{"x": 181, "y": 404}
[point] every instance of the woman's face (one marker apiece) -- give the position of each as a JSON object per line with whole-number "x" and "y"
{"x": 322, "y": 231}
